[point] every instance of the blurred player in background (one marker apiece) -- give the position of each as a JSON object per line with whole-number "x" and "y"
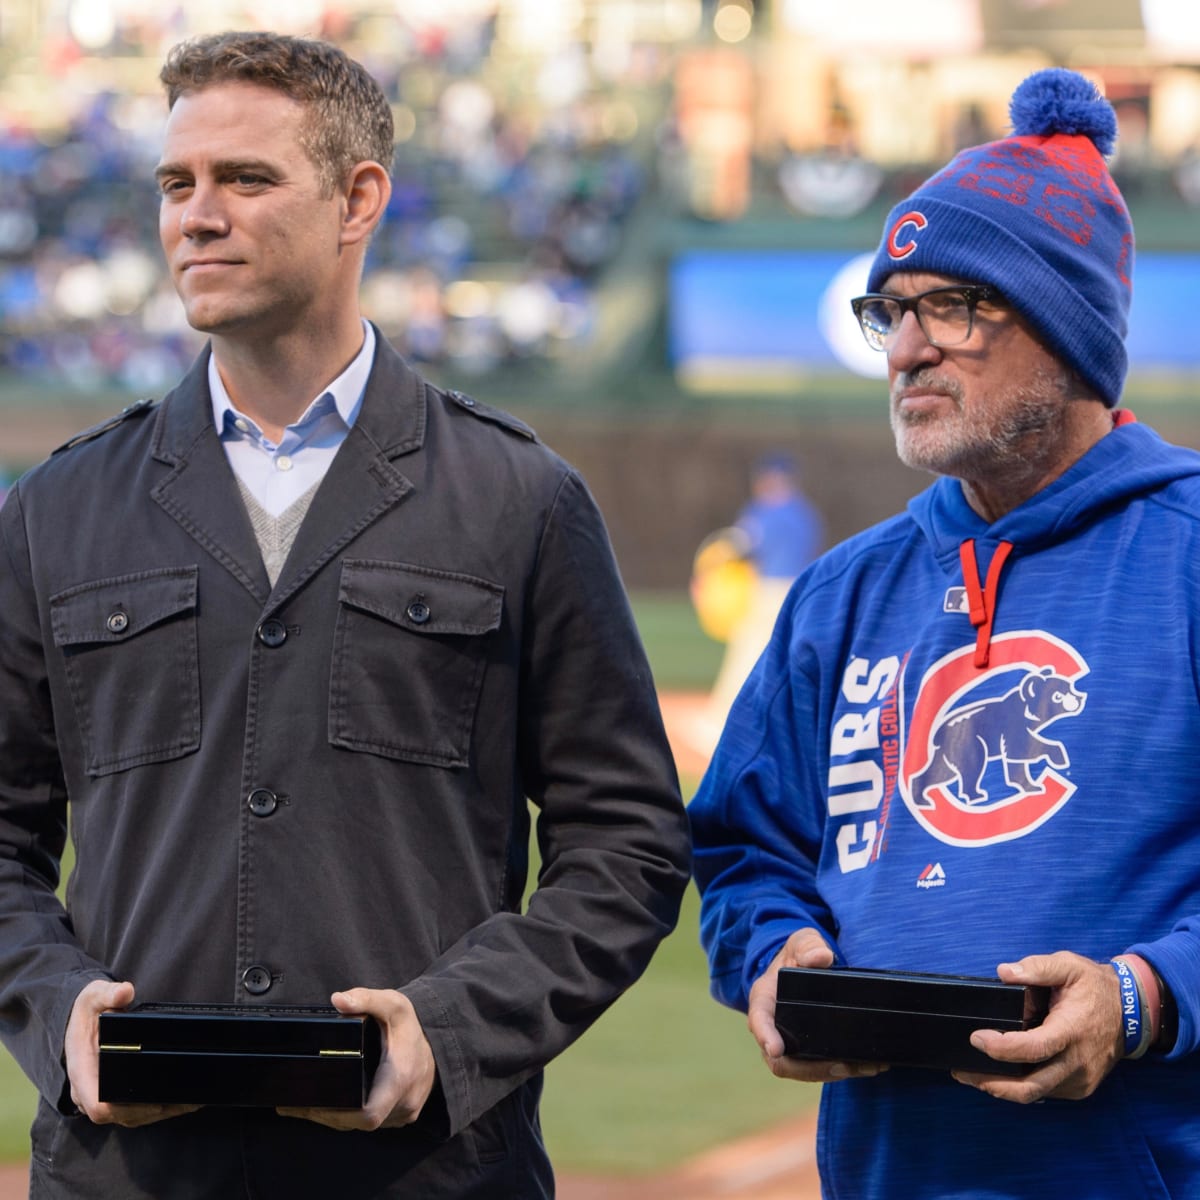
{"x": 742, "y": 575}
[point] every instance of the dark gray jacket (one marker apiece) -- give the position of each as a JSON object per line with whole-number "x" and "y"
{"x": 278, "y": 793}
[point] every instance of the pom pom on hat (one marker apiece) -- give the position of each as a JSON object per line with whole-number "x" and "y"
{"x": 1060, "y": 101}
{"x": 1037, "y": 216}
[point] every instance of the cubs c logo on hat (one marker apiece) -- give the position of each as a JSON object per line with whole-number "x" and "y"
{"x": 895, "y": 248}
{"x": 980, "y": 764}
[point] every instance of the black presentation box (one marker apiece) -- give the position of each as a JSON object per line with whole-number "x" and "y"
{"x": 903, "y": 1018}
{"x": 270, "y": 1056}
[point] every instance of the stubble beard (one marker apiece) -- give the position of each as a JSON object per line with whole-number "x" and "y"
{"x": 999, "y": 438}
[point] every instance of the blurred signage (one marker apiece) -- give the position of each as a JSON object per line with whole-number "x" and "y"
{"x": 928, "y": 29}
{"x": 768, "y": 319}
{"x": 921, "y": 29}
{"x": 714, "y": 99}
{"x": 1044, "y": 22}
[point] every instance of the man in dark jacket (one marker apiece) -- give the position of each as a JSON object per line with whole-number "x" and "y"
{"x": 296, "y": 646}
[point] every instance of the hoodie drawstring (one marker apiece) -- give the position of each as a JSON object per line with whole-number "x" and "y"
{"x": 982, "y": 600}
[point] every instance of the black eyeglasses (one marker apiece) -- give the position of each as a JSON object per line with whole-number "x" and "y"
{"x": 946, "y": 314}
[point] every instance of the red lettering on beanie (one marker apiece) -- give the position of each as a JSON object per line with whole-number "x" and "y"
{"x": 998, "y": 179}
{"x": 1123, "y": 260}
{"x": 1068, "y": 212}
{"x": 1065, "y": 177}
{"x": 1083, "y": 167}
{"x": 1026, "y": 153}
{"x": 897, "y": 250}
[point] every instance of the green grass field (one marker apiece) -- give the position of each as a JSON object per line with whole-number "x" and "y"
{"x": 665, "y": 1073}
{"x": 17, "y": 1099}
{"x": 681, "y": 656}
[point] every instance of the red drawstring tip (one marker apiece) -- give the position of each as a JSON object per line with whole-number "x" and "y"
{"x": 982, "y": 599}
{"x": 982, "y": 647}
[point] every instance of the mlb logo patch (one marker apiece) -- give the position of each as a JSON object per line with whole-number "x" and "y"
{"x": 956, "y": 601}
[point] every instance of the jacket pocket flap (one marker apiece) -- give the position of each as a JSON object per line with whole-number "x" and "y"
{"x": 421, "y": 599}
{"x": 112, "y": 610}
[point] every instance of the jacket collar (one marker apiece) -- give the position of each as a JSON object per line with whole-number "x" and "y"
{"x": 393, "y": 414}
{"x": 362, "y": 483}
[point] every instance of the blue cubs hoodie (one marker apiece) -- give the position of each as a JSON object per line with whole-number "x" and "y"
{"x": 967, "y": 743}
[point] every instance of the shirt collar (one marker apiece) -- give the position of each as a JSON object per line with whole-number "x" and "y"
{"x": 346, "y": 391}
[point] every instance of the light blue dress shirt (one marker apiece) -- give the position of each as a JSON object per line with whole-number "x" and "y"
{"x": 277, "y": 475}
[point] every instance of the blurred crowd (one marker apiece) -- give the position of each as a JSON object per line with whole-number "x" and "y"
{"x": 503, "y": 216}
{"x": 515, "y": 181}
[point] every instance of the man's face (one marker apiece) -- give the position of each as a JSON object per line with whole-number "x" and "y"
{"x": 251, "y": 242}
{"x": 970, "y": 410}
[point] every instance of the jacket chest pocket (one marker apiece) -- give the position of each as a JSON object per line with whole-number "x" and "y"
{"x": 130, "y": 652}
{"x": 409, "y": 655}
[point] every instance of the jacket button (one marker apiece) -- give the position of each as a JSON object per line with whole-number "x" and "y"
{"x": 261, "y": 802}
{"x": 272, "y": 633}
{"x": 418, "y": 612}
{"x": 118, "y": 622}
{"x": 256, "y": 980}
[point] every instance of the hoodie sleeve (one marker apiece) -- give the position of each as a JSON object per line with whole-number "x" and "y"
{"x": 1177, "y": 960}
{"x": 757, "y": 821}
{"x": 1176, "y": 955}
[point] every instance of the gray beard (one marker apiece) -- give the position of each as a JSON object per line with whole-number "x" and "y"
{"x": 1017, "y": 424}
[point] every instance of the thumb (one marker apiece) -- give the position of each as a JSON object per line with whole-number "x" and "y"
{"x": 351, "y": 1002}
{"x": 806, "y": 949}
{"x": 763, "y": 1030}
{"x": 116, "y": 995}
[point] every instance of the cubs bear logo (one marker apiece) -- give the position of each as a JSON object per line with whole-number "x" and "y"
{"x": 979, "y": 766}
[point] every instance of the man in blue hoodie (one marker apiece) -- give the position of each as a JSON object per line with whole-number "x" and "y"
{"x": 968, "y": 748}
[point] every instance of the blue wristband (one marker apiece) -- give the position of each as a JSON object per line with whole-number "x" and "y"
{"x": 1135, "y": 1031}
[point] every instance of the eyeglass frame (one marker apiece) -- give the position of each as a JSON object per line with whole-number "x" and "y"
{"x": 973, "y": 295}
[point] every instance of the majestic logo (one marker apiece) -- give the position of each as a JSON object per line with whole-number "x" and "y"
{"x": 933, "y": 876}
{"x": 977, "y": 739}
{"x": 897, "y": 249}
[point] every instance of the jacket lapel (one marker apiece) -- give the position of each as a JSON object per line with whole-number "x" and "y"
{"x": 362, "y": 482}
{"x": 200, "y": 493}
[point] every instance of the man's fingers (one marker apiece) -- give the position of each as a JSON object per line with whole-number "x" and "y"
{"x": 805, "y": 948}
{"x": 1074, "y": 1048}
{"x": 81, "y": 1053}
{"x": 760, "y": 1018}
{"x": 1030, "y": 1046}
{"x": 406, "y": 1073}
{"x": 133, "y": 1116}
{"x": 331, "y": 1118}
{"x": 806, "y": 1070}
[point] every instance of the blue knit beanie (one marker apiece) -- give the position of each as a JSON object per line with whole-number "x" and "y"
{"x": 1038, "y": 216}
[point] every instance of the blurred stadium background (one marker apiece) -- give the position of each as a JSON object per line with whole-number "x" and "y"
{"x": 633, "y": 223}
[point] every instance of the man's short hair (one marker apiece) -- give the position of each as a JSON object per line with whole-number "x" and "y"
{"x": 349, "y": 119}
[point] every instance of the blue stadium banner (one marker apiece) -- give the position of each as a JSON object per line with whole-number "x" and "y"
{"x": 770, "y": 319}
